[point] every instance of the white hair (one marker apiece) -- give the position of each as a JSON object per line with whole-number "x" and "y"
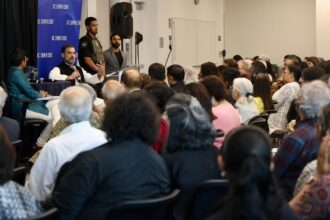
{"x": 312, "y": 97}
{"x": 75, "y": 104}
{"x": 190, "y": 75}
{"x": 3, "y": 97}
{"x": 111, "y": 89}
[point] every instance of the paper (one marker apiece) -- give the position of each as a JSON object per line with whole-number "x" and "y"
{"x": 47, "y": 98}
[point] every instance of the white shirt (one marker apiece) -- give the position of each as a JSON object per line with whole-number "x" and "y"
{"x": 76, "y": 138}
{"x": 55, "y": 74}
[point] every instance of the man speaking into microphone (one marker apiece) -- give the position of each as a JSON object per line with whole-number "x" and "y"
{"x": 68, "y": 70}
{"x": 114, "y": 58}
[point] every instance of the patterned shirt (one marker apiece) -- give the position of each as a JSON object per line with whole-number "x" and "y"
{"x": 17, "y": 203}
{"x": 297, "y": 149}
{"x": 313, "y": 201}
{"x": 306, "y": 175}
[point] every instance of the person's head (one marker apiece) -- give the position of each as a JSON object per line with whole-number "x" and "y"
{"x": 68, "y": 54}
{"x": 3, "y": 97}
{"x": 262, "y": 88}
{"x": 115, "y": 41}
{"x": 230, "y": 63}
{"x": 292, "y": 73}
{"x": 190, "y": 127}
{"x": 242, "y": 87}
{"x": 18, "y": 58}
{"x": 323, "y": 121}
{"x": 215, "y": 87}
{"x": 312, "y": 73}
{"x": 257, "y": 66}
{"x": 89, "y": 89}
{"x": 229, "y": 74}
{"x": 132, "y": 115}
{"x": 131, "y": 79}
{"x": 312, "y": 97}
{"x": 199, "y": 91}
{"x": 311, "y": 61}
{"x": 190, "y": 75}
{"x": 325, "y": 66}
{"x": 156, "y": 72}
{"x": 175, "y": 74}
{"x": 91, "y": 25}
{"x": 209, "y": 69}
{"x": 243, "y": 67}
{"x": 75, "y": 105}
{"x": 160, "y": 94}
{"x": 291, "y": 59}
{"x": 237, "y": 57}
{"x": 111, "y": 89}
{"x": 7, "y": 157}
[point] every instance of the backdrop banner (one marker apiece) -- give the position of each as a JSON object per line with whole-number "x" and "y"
{"x": 58, "y": 24}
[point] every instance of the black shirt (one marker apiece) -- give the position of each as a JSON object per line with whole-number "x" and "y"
{"x": 119, "y": 57}
{"x": 86, "y": 49}
{"x": 67, "y": 70}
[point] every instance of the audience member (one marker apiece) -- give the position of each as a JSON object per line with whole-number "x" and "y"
{"x": 111, "y": 90}
{"x": 20, "y": 89}
{"x": 291, "y": 59}
{"x": 15, "y": 201}
{"x": 156, "y": 72}
{"x": 262, "y": 92}
{"x": 311, "y": 61}
{"x": 229, "y": 74}
{"x": 10, "y": 125}
{"x": 257, "y": 66}
{"x": 175, "y": 77}
{"x": 227, "y": 117}
{"x": 190, "y": 153}
{"x": 145, "y": 80}
{"x": 302, "y": 145}
{"x": 243, "y": 67}
{"x": 237, "y": 57}
{"x": 230, "y": 63}
{"x": 76, "y": 108}
{"x": 245, "y": 104}
{"x": 284, "y": 97}
{"x": 131, "y": 80}
{"x": 190, "y": 75}
{"x": 246, "y": 161}
{"x": 124, "y": 169}
{"x": 68, "y": 70}
{"x": 160, "y": 94}
{"x": 208, "y": 69}
{"x": 312, "y": 73}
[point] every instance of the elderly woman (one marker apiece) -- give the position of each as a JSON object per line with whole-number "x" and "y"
{"x": 284, "y": 97}
{"x": 317, "y": 178}
{"x": 245, "y": 104}
{"x": 302, "y": 145}
{"x": 15, "y": 201}
{"x": 190, "y": 154}
{"x": 246, "y": 159}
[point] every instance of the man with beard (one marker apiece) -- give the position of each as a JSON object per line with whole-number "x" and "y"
{"x": 114, "y": 58}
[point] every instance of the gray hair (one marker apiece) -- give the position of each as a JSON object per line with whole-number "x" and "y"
{"x": 243, "y": 86}
{"x": 75, "y": 104}
{"x": 190, "y": 126}
{"x": 3, "y": 97}
{"x": 312, "y": 97}
{"x": 89, "y": 89}
{"x": 111, "y": 89}
{"x": 190, "y": 75}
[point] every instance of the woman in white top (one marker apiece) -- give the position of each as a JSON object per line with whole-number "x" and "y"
{"x": 245, "y": 103}
{"x": 284, "y": 97}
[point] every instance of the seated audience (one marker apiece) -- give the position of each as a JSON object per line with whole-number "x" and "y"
{"x": 262, "y": 92}
{"x": 313, "y": 201}
{"x": 257, "y": 66}
{"x": 284, "y": 97}
{"x": 175, "y": 77}
{"x": 227, "y": 117}
{"x": 10, "y": 125}
{"x": 156, "y": 72}
{"x": 160, "y": 94}
{"x": 199, "y": 91}
{"x": 208, "y": 69}
{"x": 190, "y": 154}
{"x": 76, "y": 107}
{"x": 311, "y": 61}
{"x": 243, "y": 67}
{"x": 245, "y": 104}
{"x": 111, "y": 90}
{"x": 232, "y": 63}
{"x": 309, "y": 171}
{"x": 124, "y": 169}
{"x": 302, "y": 145}
{"x": 68, "y": 70}
{"x": 312, "y": 73}
{"x": 190, "y": 75}
{"x": 246, "y": 161}
{"x": 15, "y": 201}
{"x": 131, "y": 80}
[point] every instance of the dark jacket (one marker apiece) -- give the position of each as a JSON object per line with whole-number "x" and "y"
{"x": 88, "y": 186}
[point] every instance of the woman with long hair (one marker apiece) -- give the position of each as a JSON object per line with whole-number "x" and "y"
{"x": 262, "y": 92}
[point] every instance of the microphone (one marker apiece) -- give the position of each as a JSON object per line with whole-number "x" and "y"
{"x": 75, "y": 69}
{"x": 170, "y": 42}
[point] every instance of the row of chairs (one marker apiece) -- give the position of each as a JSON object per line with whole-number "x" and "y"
{"x": 205, "y": 200}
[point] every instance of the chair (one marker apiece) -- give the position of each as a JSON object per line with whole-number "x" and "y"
{"x": 51, "y": 214}
{"x": 206, "y": 198}
{"x": 151, "y": 209}
{"x": 19, "y": 175}
{"x": 259, "y": 121}
{"x": 18, "y": 148}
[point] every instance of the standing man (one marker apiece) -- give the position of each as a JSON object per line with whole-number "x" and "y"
{"x": 90, "y": 52}
{"x": 67, "y": 70}
{"x": 114, "y": 58}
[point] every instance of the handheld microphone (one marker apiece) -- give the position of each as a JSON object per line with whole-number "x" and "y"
{"x": 75, "y": 69}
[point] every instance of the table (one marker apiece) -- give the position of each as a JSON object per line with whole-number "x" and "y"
{"x": 53, "y": 88}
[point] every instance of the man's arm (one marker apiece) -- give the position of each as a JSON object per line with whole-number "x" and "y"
{"x": 96, "y": 78}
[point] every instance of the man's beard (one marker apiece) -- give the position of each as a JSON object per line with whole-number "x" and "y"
{"x": 115, "y": 45}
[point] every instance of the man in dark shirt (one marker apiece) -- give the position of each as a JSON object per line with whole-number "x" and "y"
{"x": 114, "y": 58}
{"x": 90, "y": 52}
{"x": 175, "y": 76}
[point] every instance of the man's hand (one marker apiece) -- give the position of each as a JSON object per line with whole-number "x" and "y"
{"x": 43, "y": 93}
{"x": 101, "y": 70}
{"x": 73, "y": 75}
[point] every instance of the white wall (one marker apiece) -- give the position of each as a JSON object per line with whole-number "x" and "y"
{"x": 270, "y": 27}
{"x": 323, "y": 28}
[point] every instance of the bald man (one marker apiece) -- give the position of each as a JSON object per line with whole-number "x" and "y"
{"x": 131, "y": 80}
{"x": 111, "y": 90}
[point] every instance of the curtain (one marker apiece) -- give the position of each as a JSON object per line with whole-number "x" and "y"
{"x": 18, "y": 29}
